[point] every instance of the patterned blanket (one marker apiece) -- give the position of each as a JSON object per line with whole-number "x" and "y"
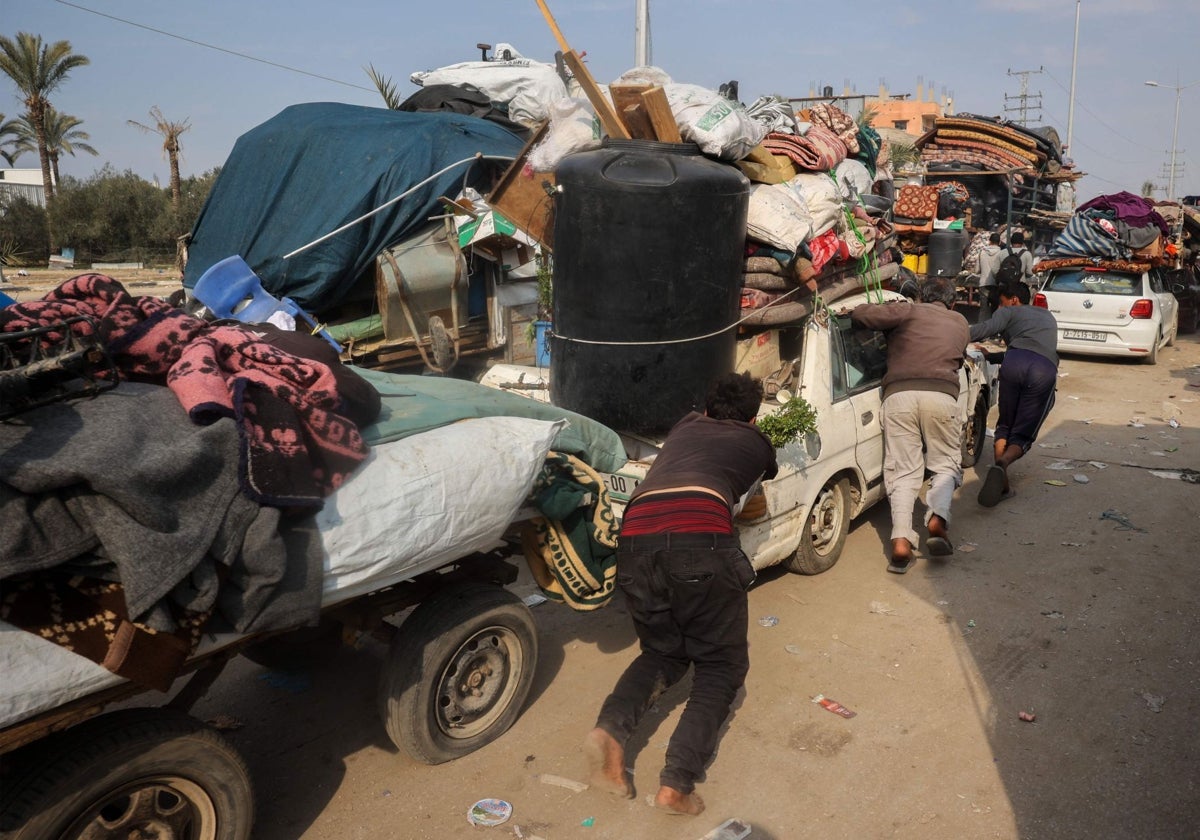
{"x": 297, "y": 445}
{"x": 818, "y": 150}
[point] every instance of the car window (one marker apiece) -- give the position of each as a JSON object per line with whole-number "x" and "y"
{"x": 1156, "y": 281}
{"x": 859, "y": 358}
{"x": 1083, "y": 281}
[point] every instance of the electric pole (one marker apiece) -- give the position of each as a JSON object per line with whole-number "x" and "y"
{"x": 1025, "y": 100}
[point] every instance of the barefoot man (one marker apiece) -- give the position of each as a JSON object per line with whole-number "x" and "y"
{"x": 685, "y": 578}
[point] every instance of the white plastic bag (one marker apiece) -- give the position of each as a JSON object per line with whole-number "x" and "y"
{"x": 820, "y": 195}
{"x": 529, "y": 88}
{"x": 573, "y": 128}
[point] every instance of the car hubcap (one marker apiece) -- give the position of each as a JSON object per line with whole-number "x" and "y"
{"x": 826, "y": 520}
{"x": 479, "y": 682}
{"x": 151, "y": 809}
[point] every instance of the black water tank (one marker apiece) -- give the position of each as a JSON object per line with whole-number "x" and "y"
{"x": 648, "y": 241}
{"x": 946, "y": 253}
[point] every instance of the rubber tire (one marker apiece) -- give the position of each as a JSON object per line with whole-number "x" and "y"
{"x": 808, "y": 559}
{"x": 1151, "y": 358}
{"x": 436, "y": 633}
{"x": 74, "y": 771}
{"x": 1174, "y": 332}
{"x": 443, "y": 347}
{"x": 975, "y": 434}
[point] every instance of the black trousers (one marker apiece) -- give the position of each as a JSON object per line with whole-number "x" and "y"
{"x": 687, "y": 596}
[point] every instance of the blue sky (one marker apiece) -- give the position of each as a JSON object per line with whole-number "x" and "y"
{"x": 1122, "y": 129}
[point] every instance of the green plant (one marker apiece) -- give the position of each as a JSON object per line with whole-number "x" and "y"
{"x": 794, "y": 419}
{"x": 545, "y": 295}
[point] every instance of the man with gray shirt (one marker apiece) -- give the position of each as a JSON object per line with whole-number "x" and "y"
{"x": 926, "y": 342}
{"x": 1028, "y": 378}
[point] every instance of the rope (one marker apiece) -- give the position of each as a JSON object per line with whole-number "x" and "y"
{"x": 713, "y": 334}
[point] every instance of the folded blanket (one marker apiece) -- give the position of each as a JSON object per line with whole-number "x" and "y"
{"x": 572, "y": 547}
{"x": 818, "y": 150}
{"x": 837, "y": 121}
{"x": 297, "y": 445}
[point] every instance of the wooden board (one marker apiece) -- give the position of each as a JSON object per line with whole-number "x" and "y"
{"x": 523, "y": 197}
{"x": 608, "y": 117}
{"x": 665, "y": 128}
{"x": 627, "y": 99}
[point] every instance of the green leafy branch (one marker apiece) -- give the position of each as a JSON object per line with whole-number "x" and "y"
{"x": 794, "y": 419}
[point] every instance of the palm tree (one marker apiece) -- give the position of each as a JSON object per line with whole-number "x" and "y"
{"x": 1148, "y": 188}
{"x": 386, "y": 88}
{"x": 63, "y": 137}
{"x": 8, "y": 128}
{"x": 37, "y": 69}
{"x": 169, "y": 131}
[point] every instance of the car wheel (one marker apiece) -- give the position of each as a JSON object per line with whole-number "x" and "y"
{"x": 1174, "y": 332}
{"x": 828, "y": 523}
{"x": 132, "y": 773}
{"x": 458, "y": 672}
{"x": 975, "y": 433}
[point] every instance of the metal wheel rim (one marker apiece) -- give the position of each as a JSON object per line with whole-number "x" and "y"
{"x": 162, "y": 807}
{"x": 478, "y": 682}
{"x": 826, "y": 520}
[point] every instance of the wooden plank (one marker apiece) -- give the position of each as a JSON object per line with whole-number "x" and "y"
{"x": 522, "y": 197}
{"x": 656, "y": 105}
{"x": 627, "y": 100}
{"x": 562, "y": 41}
{"x": 608, "y": 117}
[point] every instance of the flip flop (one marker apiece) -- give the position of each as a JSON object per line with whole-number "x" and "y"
{"x": 992, "y": 490}
{"x": 938, "y": 547}
{"x": 899, "y": 568}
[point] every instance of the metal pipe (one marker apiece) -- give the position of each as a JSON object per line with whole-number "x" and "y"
{"x": 1074, "y": 63}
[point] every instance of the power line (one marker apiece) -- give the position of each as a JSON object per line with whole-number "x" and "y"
{"x": 1096, "y": 117}
{"x": 214, "y": 47}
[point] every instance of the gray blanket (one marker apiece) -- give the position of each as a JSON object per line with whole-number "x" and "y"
{"x": 127, "y": 479}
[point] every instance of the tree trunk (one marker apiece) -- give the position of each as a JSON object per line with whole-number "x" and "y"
{"x": 37, "y": 114}
{"x": 176, "y": 189}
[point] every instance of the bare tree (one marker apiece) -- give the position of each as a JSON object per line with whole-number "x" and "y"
{"x": 169, "y": 131}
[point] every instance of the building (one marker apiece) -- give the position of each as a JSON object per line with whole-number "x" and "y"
{"x": 915, "y": 115}
{"x": 26, "y": 183}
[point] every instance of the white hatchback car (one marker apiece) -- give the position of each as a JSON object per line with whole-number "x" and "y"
{"x": 1104, "y": 312}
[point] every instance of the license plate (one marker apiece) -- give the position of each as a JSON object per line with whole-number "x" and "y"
{"x": 1085, "y": 335}
{"x": 621, "y": 485}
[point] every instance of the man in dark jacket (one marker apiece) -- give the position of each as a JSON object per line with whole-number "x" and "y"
{"x": 685, "y": 578}
{"x": 1028, "y": 378}
{"x": 926, "y": 342}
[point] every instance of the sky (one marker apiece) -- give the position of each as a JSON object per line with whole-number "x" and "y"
{"x": 228, "y": 66}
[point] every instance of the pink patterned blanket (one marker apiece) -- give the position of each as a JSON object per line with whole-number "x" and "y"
{"x": 819, "y": 150}
{"x": 296, "y": 445}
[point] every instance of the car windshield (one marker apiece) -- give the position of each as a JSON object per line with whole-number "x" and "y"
{"x": 1094, "y": 282}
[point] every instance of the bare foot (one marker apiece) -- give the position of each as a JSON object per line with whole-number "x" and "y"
{"x": 672, "y": 801}
{"x": 606, "y": 763}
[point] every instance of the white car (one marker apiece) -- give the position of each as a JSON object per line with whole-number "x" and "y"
{"x": 829, "y": 478}
{"x": 1105, "y": 312}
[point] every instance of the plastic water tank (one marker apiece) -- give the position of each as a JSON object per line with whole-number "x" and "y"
{"x": 946, "y": 253}
{"x": 648, "y": 241}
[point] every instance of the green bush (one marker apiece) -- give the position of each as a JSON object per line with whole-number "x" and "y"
{"x": 794, "y": 419}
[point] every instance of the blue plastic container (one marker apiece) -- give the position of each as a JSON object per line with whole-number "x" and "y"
{"x": 541, "y": 343}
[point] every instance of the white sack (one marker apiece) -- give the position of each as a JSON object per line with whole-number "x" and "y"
{"x": 573, "y": 128}
{"x": 854, "y": 179}
{"x": 820, "y": 195}
{"x": 526, "y": 86}
{"x": 719, "y": 126}
{"x": 778, "y": 217}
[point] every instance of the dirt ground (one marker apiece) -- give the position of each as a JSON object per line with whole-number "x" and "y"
{"x": 1073, "y": 602}
{"x": 139, "y": 281}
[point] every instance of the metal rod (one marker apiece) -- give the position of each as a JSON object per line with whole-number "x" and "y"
{"x": 410, "y": 191}
{"x": 1074, "y": 62}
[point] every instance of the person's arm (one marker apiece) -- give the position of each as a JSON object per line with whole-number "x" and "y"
{"x": 880, "y": 316}
{"x": 998, "y": 323}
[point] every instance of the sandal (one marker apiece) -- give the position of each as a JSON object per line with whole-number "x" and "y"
{"x": 992, "y": 491}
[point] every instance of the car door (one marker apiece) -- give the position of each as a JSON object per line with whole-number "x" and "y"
{"x": 1166, "y": 301}
{"x": 859, "y": 362}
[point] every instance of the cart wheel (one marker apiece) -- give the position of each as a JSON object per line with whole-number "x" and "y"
{"x": 133, "y": 773}
{"x": 458, "y": 672}
{"x": 829, "y": 522}
{"x": 443, "y": 345}
{"x": 975, "y": 434}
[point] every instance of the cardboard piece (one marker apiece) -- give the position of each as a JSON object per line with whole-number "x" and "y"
{"x": 758, "y": 355}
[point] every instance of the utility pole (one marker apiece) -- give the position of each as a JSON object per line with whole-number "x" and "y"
{"x": 1025, "y": 100}
{"x": 641, "y": 34}
{"x": 1074, "y": 63}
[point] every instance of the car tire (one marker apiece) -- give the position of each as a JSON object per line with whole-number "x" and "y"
{"x": 1174, "y": 333}
{"x": 828, "y": 523}
{"x": 458, "y": 672}
{"x": 132, "y": 773}
{"x": 975, "y": 434}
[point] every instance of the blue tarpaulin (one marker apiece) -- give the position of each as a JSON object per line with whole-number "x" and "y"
{"x": 314, "y": 167}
